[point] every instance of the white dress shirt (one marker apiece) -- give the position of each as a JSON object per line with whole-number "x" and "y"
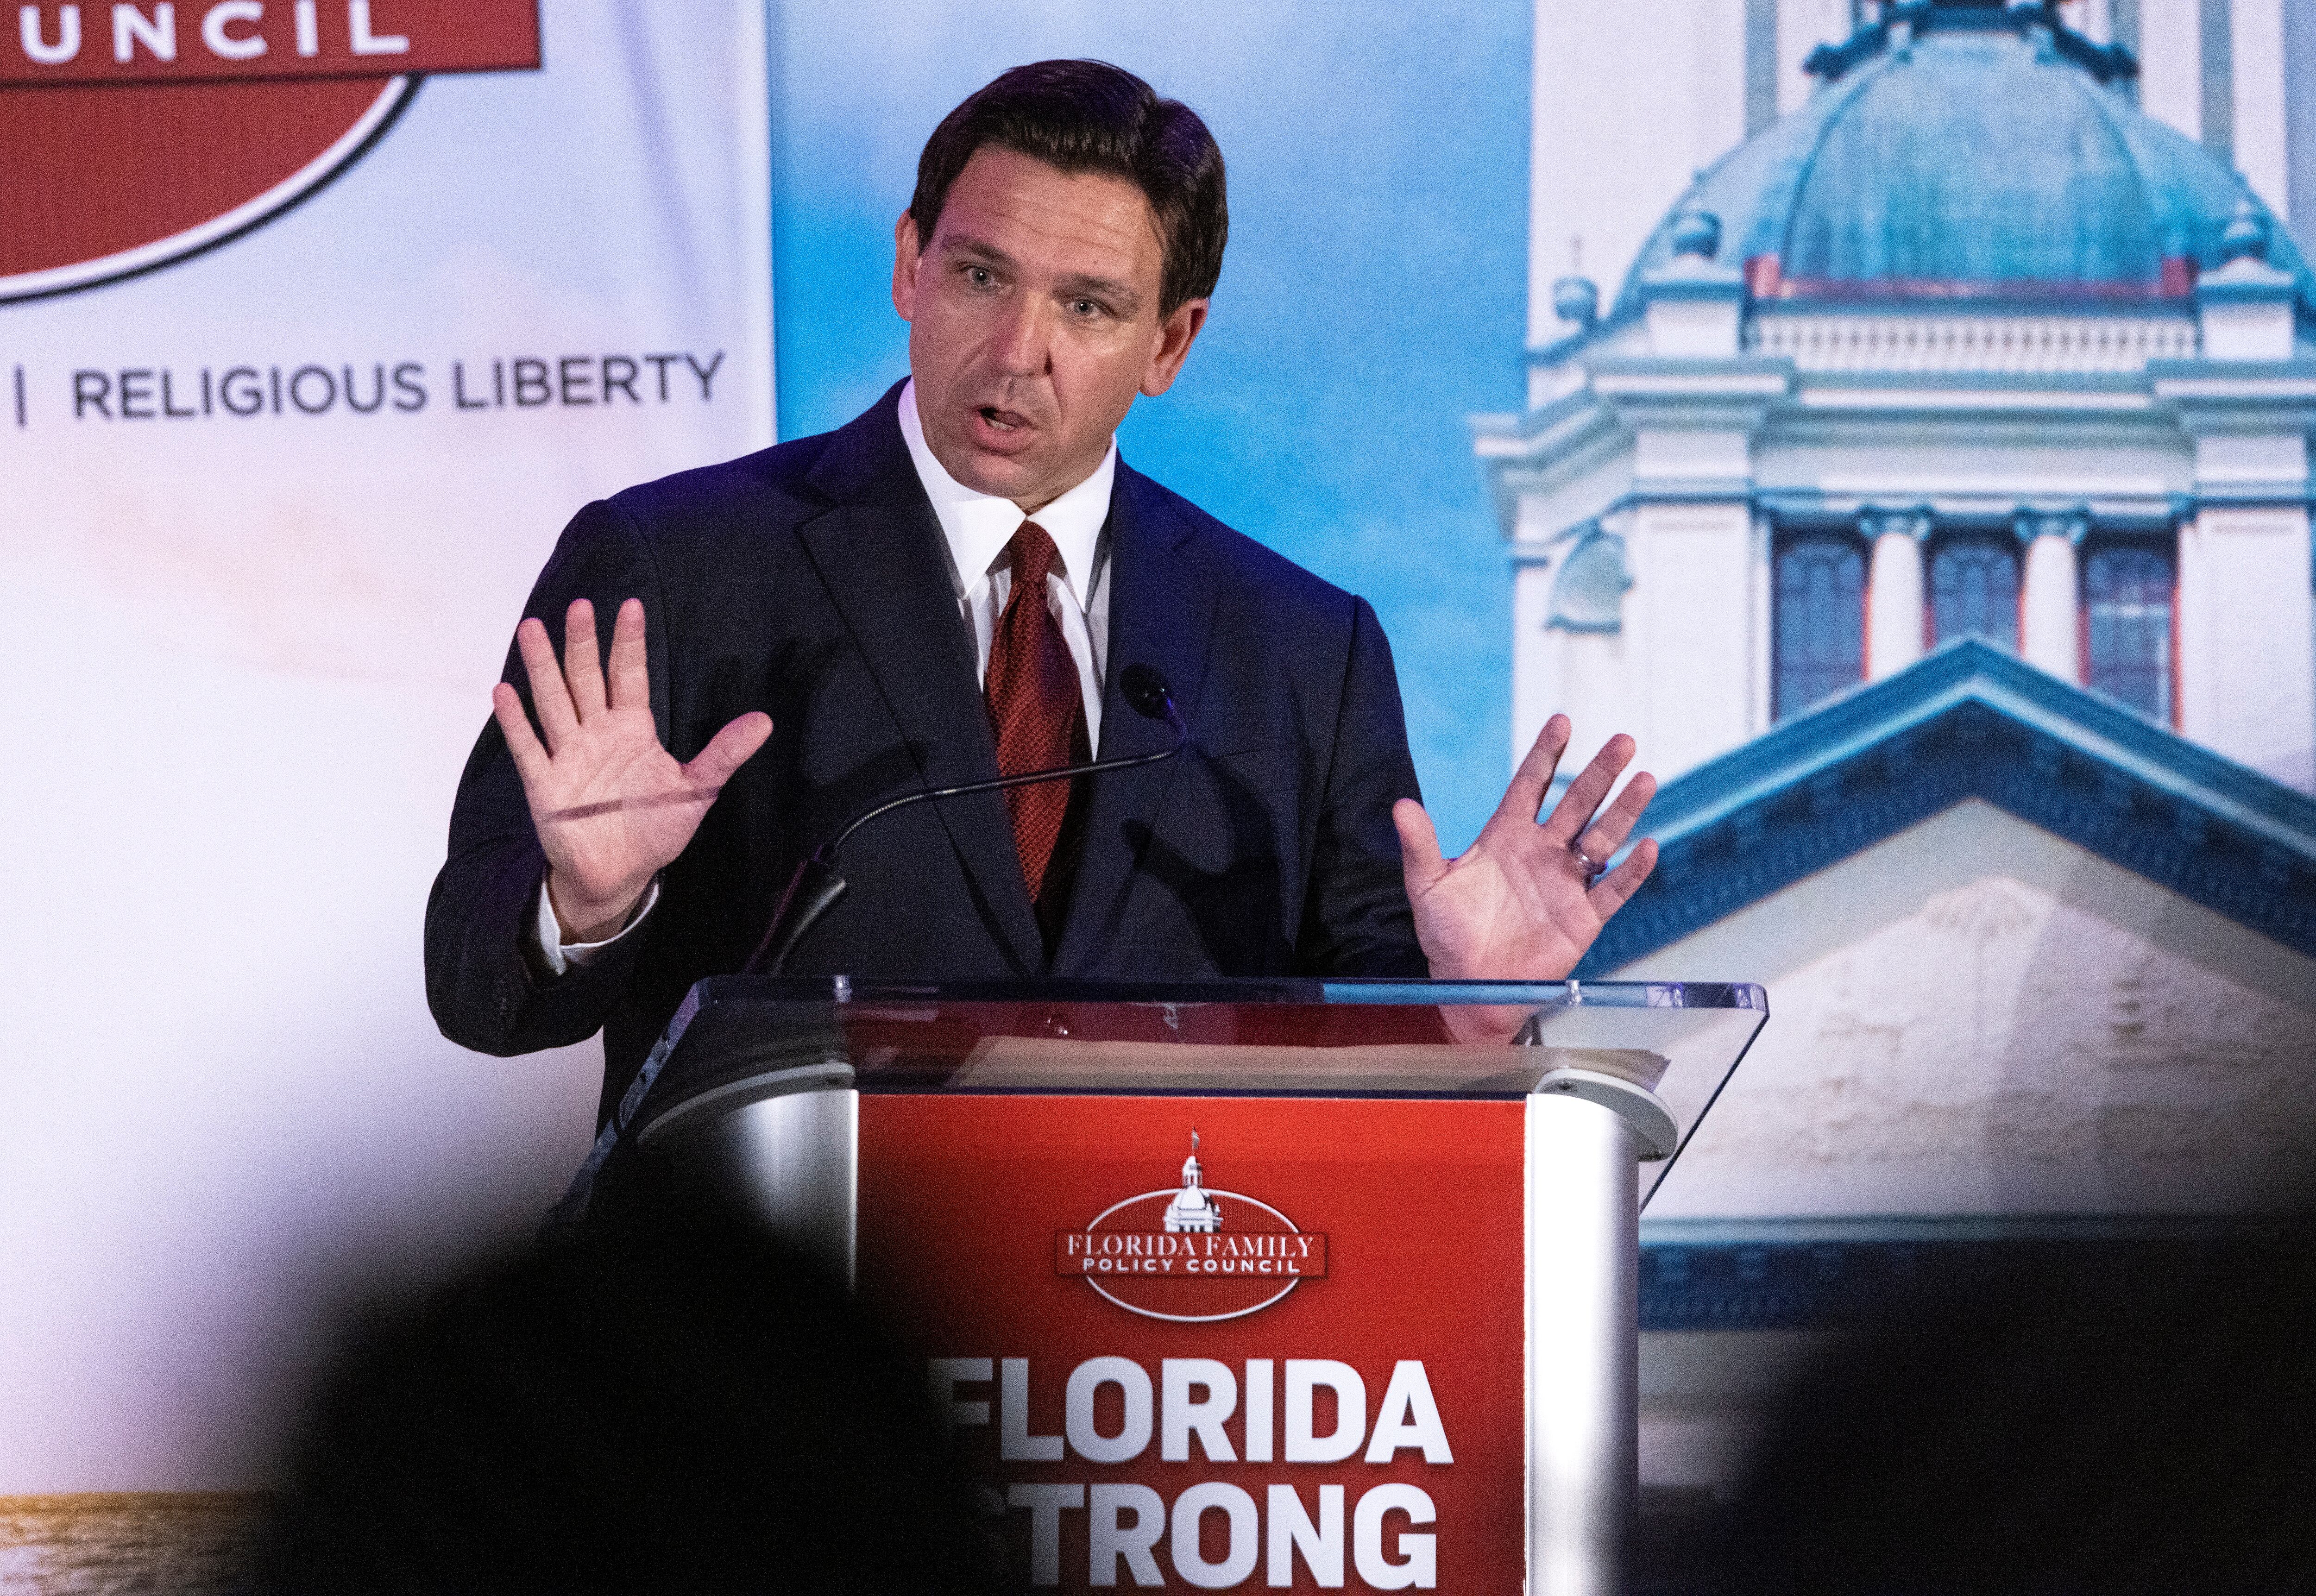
{"x": 976, "y": 528}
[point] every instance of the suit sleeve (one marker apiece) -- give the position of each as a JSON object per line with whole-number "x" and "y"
{"x": 1356, "y": 919}
{"x": 485, "y": 991}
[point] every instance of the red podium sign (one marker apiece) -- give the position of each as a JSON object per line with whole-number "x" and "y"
{"x": 1288, "y": 1355}
{"x": 1231, "y": 1285}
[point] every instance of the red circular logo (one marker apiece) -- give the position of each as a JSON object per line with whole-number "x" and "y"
{"x": 106, "y": 182}
{"x": 138, "y": 134}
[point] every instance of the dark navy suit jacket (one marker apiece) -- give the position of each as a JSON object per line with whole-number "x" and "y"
{"x": 809, "y": 582}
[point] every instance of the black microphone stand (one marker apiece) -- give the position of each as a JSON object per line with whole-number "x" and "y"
{"x": 815, "y": 889}
{"x": 816, "y": 886}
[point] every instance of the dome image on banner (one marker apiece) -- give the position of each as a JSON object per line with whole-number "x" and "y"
{"x": 133, "y": 143}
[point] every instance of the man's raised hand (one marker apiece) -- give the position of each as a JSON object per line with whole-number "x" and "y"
{"x": 612, "y": 805}
{"x": 1519, "y": 904}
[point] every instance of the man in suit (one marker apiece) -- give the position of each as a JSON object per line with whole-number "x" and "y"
{"x": 950, "y": 588}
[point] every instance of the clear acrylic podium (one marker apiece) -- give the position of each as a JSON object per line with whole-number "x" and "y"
{"x": 757, "y": 1089}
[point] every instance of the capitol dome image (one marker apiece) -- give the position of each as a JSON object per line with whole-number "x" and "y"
{"x": 1971, "y": 153}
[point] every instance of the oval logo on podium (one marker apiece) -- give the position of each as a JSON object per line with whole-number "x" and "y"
{"x": 1192, "y": 1253}
{"x": 141, "y": 134}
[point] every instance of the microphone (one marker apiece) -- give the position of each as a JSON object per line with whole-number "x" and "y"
{"x": 816, "y": 886}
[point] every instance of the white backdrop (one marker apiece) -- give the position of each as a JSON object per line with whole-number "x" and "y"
{"x": 250, "y": 655}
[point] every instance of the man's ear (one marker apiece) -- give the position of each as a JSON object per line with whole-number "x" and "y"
{"x": 906, "y": 252}
{"x": 1175, "y": 335}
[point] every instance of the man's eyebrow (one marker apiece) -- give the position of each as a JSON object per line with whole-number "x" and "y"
{"x": 965, "y": 244}
{"x": 1121, "y": 296}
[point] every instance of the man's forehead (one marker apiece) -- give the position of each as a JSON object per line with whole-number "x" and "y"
{"x": 1011, "y": 206}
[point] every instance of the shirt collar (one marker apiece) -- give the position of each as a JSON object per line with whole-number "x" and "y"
{"x": 977, "y": 525}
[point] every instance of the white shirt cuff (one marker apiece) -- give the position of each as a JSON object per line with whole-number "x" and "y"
{"x": 559, "y": 955}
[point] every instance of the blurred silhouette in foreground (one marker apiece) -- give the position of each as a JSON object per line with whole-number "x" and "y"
{"x": 2144, "y": 1424}
{"x": 656, "y": 1406}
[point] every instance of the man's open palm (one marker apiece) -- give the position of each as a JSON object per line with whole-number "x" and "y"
{"x": 612, "y": 805}
{"x": 1519, "y": 904}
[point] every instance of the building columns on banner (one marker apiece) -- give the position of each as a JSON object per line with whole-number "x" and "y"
{"x": 1893, "y": 588}
{"x": 2049, "y": 594}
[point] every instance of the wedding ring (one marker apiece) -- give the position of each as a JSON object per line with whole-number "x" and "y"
{"x": 1591, "y": 869}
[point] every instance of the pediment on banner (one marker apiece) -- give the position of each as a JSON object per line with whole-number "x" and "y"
{"x": 1971, "y": 723}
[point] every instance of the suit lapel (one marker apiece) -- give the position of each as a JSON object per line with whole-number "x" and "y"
{"x": 1162, "y": 613}
{"x": 877, "y": 549}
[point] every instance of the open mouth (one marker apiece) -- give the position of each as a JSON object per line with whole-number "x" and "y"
{"x": 1002, "y": 421}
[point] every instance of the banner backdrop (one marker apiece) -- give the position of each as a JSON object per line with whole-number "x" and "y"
{"x": 317, "y": 320}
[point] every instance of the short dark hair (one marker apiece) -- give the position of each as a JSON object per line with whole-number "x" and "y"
{"x": 1089, "y": 116}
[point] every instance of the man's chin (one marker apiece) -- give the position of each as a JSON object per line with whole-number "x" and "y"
{"x": 1004, "y": 476}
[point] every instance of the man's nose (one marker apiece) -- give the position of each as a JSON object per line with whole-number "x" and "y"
{"x": 1024, "y": 336}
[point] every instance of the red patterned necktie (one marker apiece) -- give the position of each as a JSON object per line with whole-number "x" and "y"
{"x": 1036, "y": 711}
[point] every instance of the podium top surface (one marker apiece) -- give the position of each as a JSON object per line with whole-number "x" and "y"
{"x": 737, "y": 1038}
